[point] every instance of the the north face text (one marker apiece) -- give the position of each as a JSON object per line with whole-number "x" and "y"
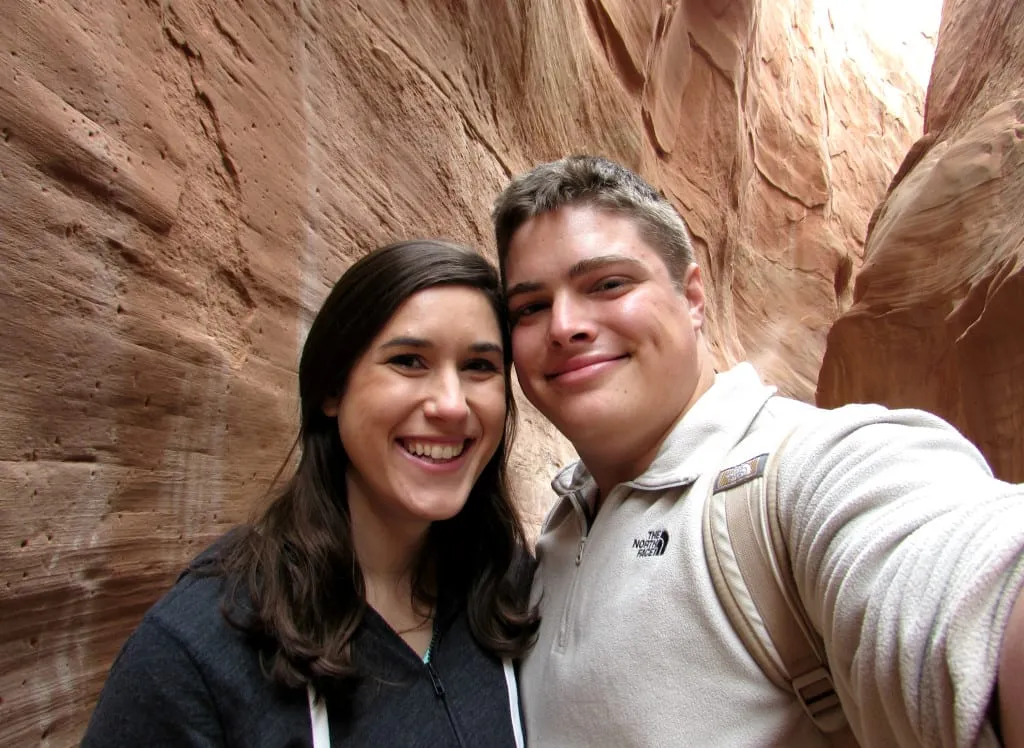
{"x": 653, "y": 545}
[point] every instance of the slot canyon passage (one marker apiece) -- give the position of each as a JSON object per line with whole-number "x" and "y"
{"x": 184, "y": 180}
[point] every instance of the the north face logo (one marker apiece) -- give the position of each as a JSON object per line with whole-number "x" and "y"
{"x": 653, "y": 545}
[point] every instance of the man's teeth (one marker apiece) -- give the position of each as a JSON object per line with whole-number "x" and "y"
{"x": 435, "y": 451}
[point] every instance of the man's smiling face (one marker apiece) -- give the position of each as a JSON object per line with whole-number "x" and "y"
{"x": 604, "y": 342}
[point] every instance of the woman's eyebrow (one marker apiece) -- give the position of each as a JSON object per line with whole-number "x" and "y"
{"x": 407, "y": 342}
{"x": 410, "y": 342}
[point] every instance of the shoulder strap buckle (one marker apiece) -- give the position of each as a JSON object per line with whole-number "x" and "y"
{"x": 818, "y": 697}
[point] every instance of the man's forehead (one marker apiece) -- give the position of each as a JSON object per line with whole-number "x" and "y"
{"x": 571, "y": 241}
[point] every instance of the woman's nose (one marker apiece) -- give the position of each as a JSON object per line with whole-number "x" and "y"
{"x": 447, "y": 399}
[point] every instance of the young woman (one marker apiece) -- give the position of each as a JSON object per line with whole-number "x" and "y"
{"x": 379, "y": 597}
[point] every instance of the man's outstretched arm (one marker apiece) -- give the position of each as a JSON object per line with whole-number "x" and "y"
{"x": 908, "y": 554}
{"x": 1011, "y": 678}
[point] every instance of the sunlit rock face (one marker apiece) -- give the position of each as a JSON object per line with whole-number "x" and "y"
{"x": 183, "y": 181}
{"x": 935, "y": 319}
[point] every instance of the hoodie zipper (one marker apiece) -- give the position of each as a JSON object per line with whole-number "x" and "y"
{"x": 576, "y": 498}
{"x": 435, "y": 681}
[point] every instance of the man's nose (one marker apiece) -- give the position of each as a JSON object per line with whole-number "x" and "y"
{"x": 569, "y": 322}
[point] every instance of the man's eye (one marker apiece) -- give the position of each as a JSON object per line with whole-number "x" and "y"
{"x": 609, "y": 284}
{"x": 526, "y": 310}
{"x": 407, "y": 361}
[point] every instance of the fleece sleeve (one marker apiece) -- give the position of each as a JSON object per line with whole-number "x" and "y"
{"x": 154, "y": 696}
{"x": 909, "y": 556}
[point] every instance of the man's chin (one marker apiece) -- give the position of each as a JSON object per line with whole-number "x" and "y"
{"x": 586, "y": 424}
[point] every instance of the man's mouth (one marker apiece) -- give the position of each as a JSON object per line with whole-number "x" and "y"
{"x": 436, "y": 452}
{"x": 576, "y": 365}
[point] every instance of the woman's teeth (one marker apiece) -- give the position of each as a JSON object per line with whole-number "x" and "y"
{"x": 434, "y": 451}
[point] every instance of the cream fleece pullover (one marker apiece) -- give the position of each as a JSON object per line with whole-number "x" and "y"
{"x": 907, "y": 553}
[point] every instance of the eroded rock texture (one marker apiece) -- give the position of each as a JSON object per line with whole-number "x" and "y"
{"x": 937, "y": 304}
{"x": 184, "y": 180}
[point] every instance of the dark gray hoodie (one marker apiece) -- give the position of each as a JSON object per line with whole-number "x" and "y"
{"x": 185, "y": 677}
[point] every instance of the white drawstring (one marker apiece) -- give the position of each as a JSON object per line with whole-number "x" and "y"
{"x": 318, "y": 719}
{"x": 513, "y": 701}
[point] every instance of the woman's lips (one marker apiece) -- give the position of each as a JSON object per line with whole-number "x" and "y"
{"x": 443, "y": 465}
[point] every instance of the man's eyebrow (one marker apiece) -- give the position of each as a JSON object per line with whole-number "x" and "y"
{"x": 580, "y": 268}
{"x": 594, "y": 263}
{"x": 525, "y": 287}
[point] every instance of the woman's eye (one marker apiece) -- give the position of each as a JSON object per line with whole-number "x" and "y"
{"x": 481, "y": 365}
{"x": 407, "y": 361}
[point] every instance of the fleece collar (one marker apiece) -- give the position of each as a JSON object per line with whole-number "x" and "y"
{"x": 700, "y": 440}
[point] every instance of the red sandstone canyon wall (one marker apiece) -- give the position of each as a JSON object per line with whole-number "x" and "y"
{"x": 934, "y": 323}
{"x": 183, "y": 181}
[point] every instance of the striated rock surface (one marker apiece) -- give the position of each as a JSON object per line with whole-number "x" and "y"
{"x": 184, "y": 180}
{"x": 937, "y": 304}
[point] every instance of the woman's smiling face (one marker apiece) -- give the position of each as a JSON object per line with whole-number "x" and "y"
{"x": 424, "y": 407}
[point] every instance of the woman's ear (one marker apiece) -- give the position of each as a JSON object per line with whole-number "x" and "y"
{"x": 330, "y": 406}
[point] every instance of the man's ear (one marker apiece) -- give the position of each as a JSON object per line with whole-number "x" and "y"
{"x": 693, "y": 290}
{"x": 330, "y": 406}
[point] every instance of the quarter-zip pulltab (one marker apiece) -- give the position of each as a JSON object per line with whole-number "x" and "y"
{"x": 579, "y": 555}
{"x": 577, "y": 500}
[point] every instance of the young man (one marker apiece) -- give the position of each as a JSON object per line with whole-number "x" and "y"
{"x": 907, "y": 554}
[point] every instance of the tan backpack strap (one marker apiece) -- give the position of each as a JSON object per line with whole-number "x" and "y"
{"x": 752, "y": 575}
